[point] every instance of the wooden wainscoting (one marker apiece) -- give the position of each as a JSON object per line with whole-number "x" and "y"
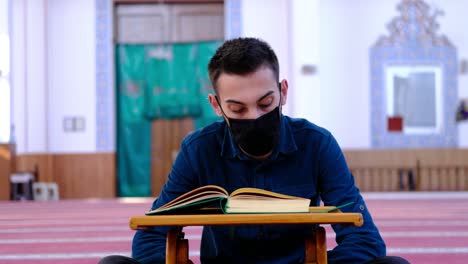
{"x": 40, "y": 164}
{"x": 93, "y": 175}
{"x": 379, "y": 170}
{"x": 442, "y": 170}
{"x": 166, "y": 136}
{"x": 5, "y": 170}
{"x": 87, "y": 175}
{"x": 409, "y": 170}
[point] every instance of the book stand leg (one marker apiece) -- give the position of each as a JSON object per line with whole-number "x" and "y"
{"x": 316, "y": 247}
{"x": 176, "y": 248}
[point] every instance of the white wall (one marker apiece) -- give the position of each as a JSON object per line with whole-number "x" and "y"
{"x": 347, "y": 30}
{"x": 269, "y": 20}
{"x": 3, "y": 16}
{"x": 4, "y": 74}
{"x": 19, "y": 73}
{"x": 72, "y": 73}
{"x": 336, "y": 36}
{"x": 35, "y": 76}
{"x": 305, "y": 92}
{"x": 53, "y": 67}
{"x": 453, "y": 24}
{"x": 320, "y": 34}
{"x": 53, "y": 74}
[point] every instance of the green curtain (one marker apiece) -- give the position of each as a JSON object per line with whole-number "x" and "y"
{"x": 156, "y": 81}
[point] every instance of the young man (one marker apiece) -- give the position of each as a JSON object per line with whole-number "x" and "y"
{"x": 257, "y": 146}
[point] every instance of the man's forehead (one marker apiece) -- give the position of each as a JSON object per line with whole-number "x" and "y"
{"x": 247, "y": 94}
{"x": 254, "y": 85}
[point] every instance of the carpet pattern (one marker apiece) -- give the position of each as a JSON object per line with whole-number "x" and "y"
{"x": 425, "y": 228}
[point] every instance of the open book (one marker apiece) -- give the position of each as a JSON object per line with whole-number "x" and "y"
{"x": 212, "y": 198}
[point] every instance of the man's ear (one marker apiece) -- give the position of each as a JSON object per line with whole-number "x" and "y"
{"x": 215, "y": 105}
{"x": 284, "y": 91}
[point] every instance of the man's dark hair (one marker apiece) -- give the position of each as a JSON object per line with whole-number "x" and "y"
{"x": 242, "y": 56}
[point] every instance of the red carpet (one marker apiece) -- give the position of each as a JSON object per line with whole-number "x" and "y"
{"x": 422, "y": 227}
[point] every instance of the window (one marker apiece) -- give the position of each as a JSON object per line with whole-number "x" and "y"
{"x": 415, "y": 94}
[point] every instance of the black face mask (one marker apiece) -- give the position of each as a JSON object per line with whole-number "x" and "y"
{"x": 257, "y": 137}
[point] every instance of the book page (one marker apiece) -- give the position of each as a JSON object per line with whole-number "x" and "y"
{"x": 253, "y": 200}
{"x": 255, "y": 193}
{"x": 204, "y": 192}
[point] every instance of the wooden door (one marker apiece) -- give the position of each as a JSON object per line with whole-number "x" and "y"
{"x": 168, "y": 23}
{"x": 166, "y": 136}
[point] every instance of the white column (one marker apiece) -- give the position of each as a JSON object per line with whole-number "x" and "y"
{"x": 53, "y": 74}
{"x": 28, "y": 74}
{"x": 72, "y": 79}
{"x": 4, "y": 73}
{"x": 305, "y": 82}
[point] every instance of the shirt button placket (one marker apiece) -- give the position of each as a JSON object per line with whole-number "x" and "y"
{"x": 259, "y": 177}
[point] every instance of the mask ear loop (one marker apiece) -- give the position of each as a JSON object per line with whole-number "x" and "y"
{"x": 280, "y": 105}
{"x": 219, "y": 104}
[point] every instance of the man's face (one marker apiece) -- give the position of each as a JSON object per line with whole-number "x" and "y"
{"x": 249, "y": 96}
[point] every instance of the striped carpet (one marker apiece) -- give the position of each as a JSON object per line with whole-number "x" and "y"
{"x": 422, "y": 227}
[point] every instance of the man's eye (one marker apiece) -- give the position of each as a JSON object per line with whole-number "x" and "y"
{"x": 265, "y": 102}
{"x": 237, "y": 111}
{"x": 235, "y": 108}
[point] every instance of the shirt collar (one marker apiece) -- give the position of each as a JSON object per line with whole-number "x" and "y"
{"x": 287, "y": 144}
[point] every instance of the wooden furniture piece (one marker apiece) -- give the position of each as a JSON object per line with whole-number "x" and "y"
{"x": 388, "y": 170}
{"x": 177, "y": 245}
{"x": 7, "y": 166}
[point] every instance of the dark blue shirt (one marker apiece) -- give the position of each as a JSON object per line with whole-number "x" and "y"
{"x": 307, "y": 162}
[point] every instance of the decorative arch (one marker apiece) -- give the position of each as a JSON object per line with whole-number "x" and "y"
{"x": 105, "y": 94}
{"x": 413, "y": 59}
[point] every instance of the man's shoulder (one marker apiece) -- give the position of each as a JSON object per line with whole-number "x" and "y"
{"x": 302, "y": 125}
{"x": 205, "y": 135}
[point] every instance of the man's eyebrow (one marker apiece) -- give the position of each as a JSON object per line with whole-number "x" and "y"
{"x": 234, "y": 101}
{"x": 266, "y": 95}
{"x": 240, "y": 103}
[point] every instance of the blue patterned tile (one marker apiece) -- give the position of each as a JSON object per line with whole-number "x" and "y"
{"x": 413, "y": 42}
{"x": 104, "y": 90}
